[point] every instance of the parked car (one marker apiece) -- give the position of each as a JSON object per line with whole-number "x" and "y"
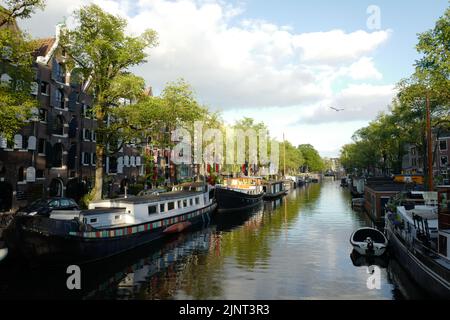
{"x": 43, "y": 207}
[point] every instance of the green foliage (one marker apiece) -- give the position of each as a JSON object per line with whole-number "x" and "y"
{"x": 134, "y": 189}
{"x": 18, "y": 9}
{"x": 15, "y": 61}
{"x": 85, "y": 200}
{"x": 382, "y": 144}
{"x": 102, "y": 53}
{"x": 312, "y": 159}
{"x": 294, "y": 158}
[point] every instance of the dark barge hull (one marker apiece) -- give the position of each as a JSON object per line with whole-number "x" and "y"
{"x": 47, "y": 248}
{"x": 434, "y": 284}
{"x": 274, "y": 196}
{"x": 230, "y": 200}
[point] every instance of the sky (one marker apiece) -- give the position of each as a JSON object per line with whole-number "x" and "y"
{"x": 284, "y": 62}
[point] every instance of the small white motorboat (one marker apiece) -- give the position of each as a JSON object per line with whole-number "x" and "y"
{"x": 369, "y": 242}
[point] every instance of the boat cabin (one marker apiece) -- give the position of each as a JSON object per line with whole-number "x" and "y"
{"x": 444, "y": 221}
{"x": 247, "y": 185}
{"x": 138, "y": 210}
{"x": 273, "y": 187}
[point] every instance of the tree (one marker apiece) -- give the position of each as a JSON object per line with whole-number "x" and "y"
{"x": 102, "y": 52}
{"x": 19, "y": 9}
{"x": 294, "y": 158}
{"x": 313, "y": 161}
{"x": 16, "y": 63}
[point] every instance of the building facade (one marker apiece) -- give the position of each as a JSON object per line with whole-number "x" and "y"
{"x": 413, "y": 160}
{"x": 54, "y": 155}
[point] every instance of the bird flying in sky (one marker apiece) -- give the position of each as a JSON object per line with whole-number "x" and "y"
{"x": 336, "y": 109}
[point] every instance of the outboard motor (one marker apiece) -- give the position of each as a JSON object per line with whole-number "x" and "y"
{"x": 369, "y": 244}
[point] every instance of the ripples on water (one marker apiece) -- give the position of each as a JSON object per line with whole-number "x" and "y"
{"x": 294, "y": 248}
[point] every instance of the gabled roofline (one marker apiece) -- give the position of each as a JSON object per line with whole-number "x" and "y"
{"x": 48, "y": 56}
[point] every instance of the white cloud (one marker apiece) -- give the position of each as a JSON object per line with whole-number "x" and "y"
{"x": 364, "y": 69}
{"x": 337, "y": 46}
{"x": 233, "y": 62}
{"x": 360, "y": 102}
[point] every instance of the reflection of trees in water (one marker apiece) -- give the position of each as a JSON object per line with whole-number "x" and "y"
{"x": 198, "y": 272}
{"x": 249, "y": 244}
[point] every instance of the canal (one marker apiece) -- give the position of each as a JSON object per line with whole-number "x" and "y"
{"x": 294, "y": 248}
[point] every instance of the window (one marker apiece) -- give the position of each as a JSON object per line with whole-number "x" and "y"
{"x": 58, "y": 126}
{"x": 73, "y": 203}
{"x": 94, "y": 220}
{"x": 197, "y": 200}
{"x": 87, "y": 111}
{"x": 57, "y": 155}
{"x": 162, "y": 207}
{"x": 152, "y": 210}
{"x": 60, "y": 99}
{"x": 87, "y": 135}
{"x": 44, "y": 88}
{"x": 93, "y": 159}
{"x": 185, "y": 203}
{"x": 40, "y": 174}
{"x": 34, "y": 88}
{"x": 64, "y": 203}
{"x": 443, "y": 145}
{"x": 94, "y": 136}
{"x": 444, "y": 161}
{"x": 179, "y": 204}
{"x": 43, "y": 115}
{"x": 21, "y": 174}
{"x": 170, "y": 206}
{"x": 191, "y": 202}
{"x": 443, "y": 245}
{"x": 86, "y": 158}
{"x": 117, "y": 217}
{"x": 41, "y": 146}
{"x": 54, "y": 204}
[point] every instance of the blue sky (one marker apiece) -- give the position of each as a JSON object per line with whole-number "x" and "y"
{"x": 282, "y": 62}
{"x": 405, "y": 18}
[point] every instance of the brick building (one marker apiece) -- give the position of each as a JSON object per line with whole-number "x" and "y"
{"x": 54, "y": 155}
{"x": 413, "y": 160}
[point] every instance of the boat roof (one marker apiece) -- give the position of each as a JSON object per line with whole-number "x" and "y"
{"x": 154, "y": 197}
{"x": 191, "y": 184}
{"x": 425, "y": 212}
{"x": 102, "y": 211}
{"x": 272, "y": 181}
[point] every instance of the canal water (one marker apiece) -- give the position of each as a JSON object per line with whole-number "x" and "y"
{"x": 294, "y": 248}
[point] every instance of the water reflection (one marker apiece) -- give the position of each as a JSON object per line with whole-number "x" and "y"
{"x": 293, "y": 248}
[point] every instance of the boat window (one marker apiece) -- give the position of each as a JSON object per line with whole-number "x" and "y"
{"x": 197, "y": 200}
{"x": 185, "y": 203}
{"x": 152, "y": 210}
{"x": 162, "y": 207}
{"x": 94, "y": 220}
{"x": 179, "y": 204}
{"x": 191, "y": 202}
{"x": 117, "y": 217}
{"x": 54, "y": 204}
{"x": 170, "y": 206}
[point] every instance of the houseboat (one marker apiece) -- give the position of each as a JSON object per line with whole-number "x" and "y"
{"x": 109, "y": 227}
{"x": 419, "y": 238}
{"x": 236, "y": 194}
{"x": 274, "y": 189}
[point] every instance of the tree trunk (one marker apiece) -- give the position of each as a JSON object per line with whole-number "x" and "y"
{"x": 100, "y": 152}
{"x": 98, "y": 187}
